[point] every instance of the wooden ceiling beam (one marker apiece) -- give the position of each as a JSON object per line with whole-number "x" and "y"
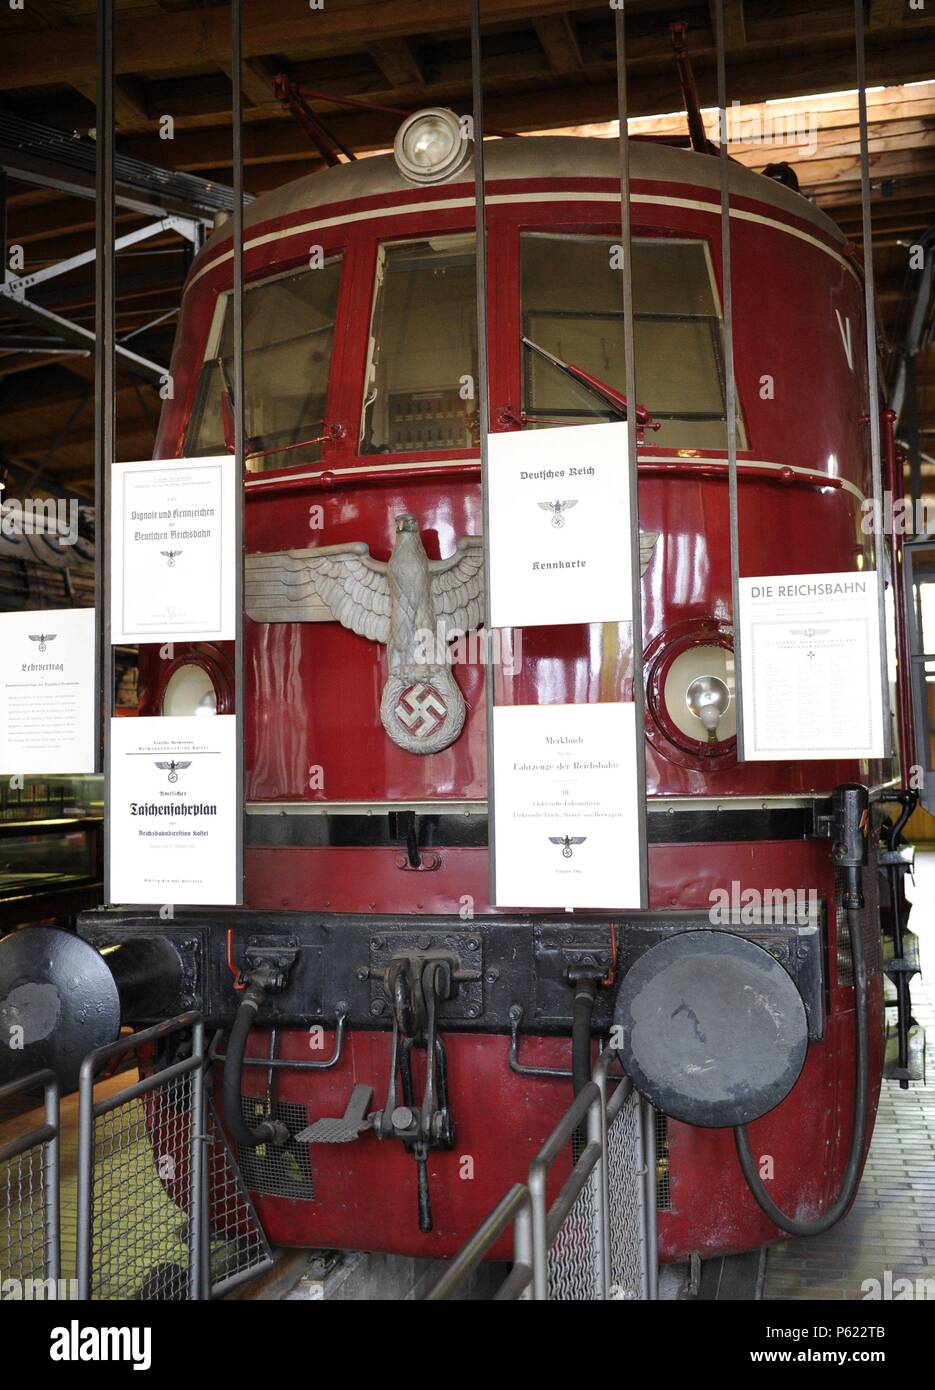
{"x": 201, "y": 37}
{"x": 256, "y": 76}
{"x": 398, "y": 61}
{"x": 559, "y": 42}
{"x": 534, "y": 105}
{"x": 735, "y": 27}
{"x": 129, "y": 101}
{"x": 887, "y": 14}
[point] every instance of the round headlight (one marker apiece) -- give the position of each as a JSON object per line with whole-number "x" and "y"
{"x": 697, "y": 693}
{"x": 190, "y": 691}
{"x": 430, "y": 146}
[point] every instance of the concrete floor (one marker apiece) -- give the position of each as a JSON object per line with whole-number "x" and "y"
{"x": 885, "y": 1246}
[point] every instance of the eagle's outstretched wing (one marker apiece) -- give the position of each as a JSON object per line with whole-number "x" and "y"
{"x": 647, "y": 540}
{"x": 164, "y": 766}
{"x": 577, "y": 839}
{"x": 556, "y": 839}
{"x": 567, "y": 506}
{"x": 328, "y": 583}
{"x": 546, "y": 506}
{"x": 458, "y": 586}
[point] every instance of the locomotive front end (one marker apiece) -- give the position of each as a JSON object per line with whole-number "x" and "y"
{"x": 392, "y": 1048}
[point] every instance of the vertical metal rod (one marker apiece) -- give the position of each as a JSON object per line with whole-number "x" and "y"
{"x": 599, "y": 1179}
{"x": 239, "y": 432}
{"x": 198, "y": 1207}
{"x": 53, "y": 1260}
{"x": 629, "y": 353}
{"x": 85, "y": 1215}
{"x": 3, "y": 225}
{"x": 540, "y": 1237}
{"x": 873, "y": 394}
{"x": 105, "y": 329}
{"x": 483, "y": 398}
{"x": 522, "y": 1244}
{"x": 648, "y": 1121}
{"x": 913, "y": 439}
{"x": 730, "y": 384}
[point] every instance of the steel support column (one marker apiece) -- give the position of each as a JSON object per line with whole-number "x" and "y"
{"x": 239, "y": 433}
{"x": 483, "y": 401}
{"x": 105, "y": 370}
{"x": 873, "y": 392}
{"x": 730, "y": 385}
{"x": 629, "y": 350}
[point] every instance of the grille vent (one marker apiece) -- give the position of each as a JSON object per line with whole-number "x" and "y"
{"x": 271, "y": 1171}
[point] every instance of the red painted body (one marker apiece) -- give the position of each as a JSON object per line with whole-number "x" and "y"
{"x": 313, "y": 689}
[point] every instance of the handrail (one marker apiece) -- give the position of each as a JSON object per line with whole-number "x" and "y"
{"x": 45, "y": 1136}
{"x": 536, "y": 1228}
{"x": 471, "y": 1256}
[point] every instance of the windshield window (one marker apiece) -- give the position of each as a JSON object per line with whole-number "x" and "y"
{"x": 571, "y": 289}
{"x": 288, "y": 337}
{"x": 420, "y": 391}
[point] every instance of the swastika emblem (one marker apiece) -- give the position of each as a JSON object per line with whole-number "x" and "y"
{"x": 421, "y": 709}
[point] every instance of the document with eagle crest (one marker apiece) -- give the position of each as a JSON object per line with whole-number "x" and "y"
{"x": 560, "y": 526}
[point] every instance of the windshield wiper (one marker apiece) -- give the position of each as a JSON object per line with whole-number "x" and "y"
{"x": 601, "y": 389}
{"x": 330, "y": 435}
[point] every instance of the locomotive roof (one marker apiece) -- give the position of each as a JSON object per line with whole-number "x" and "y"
{"x": 539, "y": 156}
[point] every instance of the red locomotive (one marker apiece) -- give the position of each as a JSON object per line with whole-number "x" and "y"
{"x": 367, "y": 941}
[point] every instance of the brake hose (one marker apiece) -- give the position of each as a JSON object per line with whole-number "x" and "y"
{"x": 853, "y": 901}
{"x": 585, "y": 993}
{"x": 268, "y": 1131}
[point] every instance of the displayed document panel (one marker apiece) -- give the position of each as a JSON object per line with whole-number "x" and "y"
{"x": 812, "y": 678}
{"x": 47, "y": 691}
{"x": 173, "y": 809}
{"x": 172, "y": 552}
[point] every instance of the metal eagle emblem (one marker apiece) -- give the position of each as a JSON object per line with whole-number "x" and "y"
{"x": 403, "y": 602}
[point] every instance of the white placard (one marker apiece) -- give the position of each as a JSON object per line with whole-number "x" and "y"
{"x": 559, "y": 526}
{"x": 173, "y": 804}
{"x": 565, "y": 801}
{"x": 172, "y": 550}
{"x": 47, "y": 691}
{"x": 810, "y": 676}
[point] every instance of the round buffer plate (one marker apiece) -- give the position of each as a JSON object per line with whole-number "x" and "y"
{"x": 58, "y": 1002}
{"x": 711, "y": 1028}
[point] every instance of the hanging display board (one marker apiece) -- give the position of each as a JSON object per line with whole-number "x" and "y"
{"x": 47, "y": 691}
{"x": 173, "y": 809}
{"x": 812, "y": 678}
{"x": 559, "y": 526}
{"x": 566, "y": 821}
{"x": 566, "y": 783}
{"x": 172, "y": 550}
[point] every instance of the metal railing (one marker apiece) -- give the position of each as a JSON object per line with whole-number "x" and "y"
{"x": 597, "y": 1240}
{"x": 162, "y": 1211}
{"x": 140, "y": 1171}
{"x": 30, "y": 1235}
